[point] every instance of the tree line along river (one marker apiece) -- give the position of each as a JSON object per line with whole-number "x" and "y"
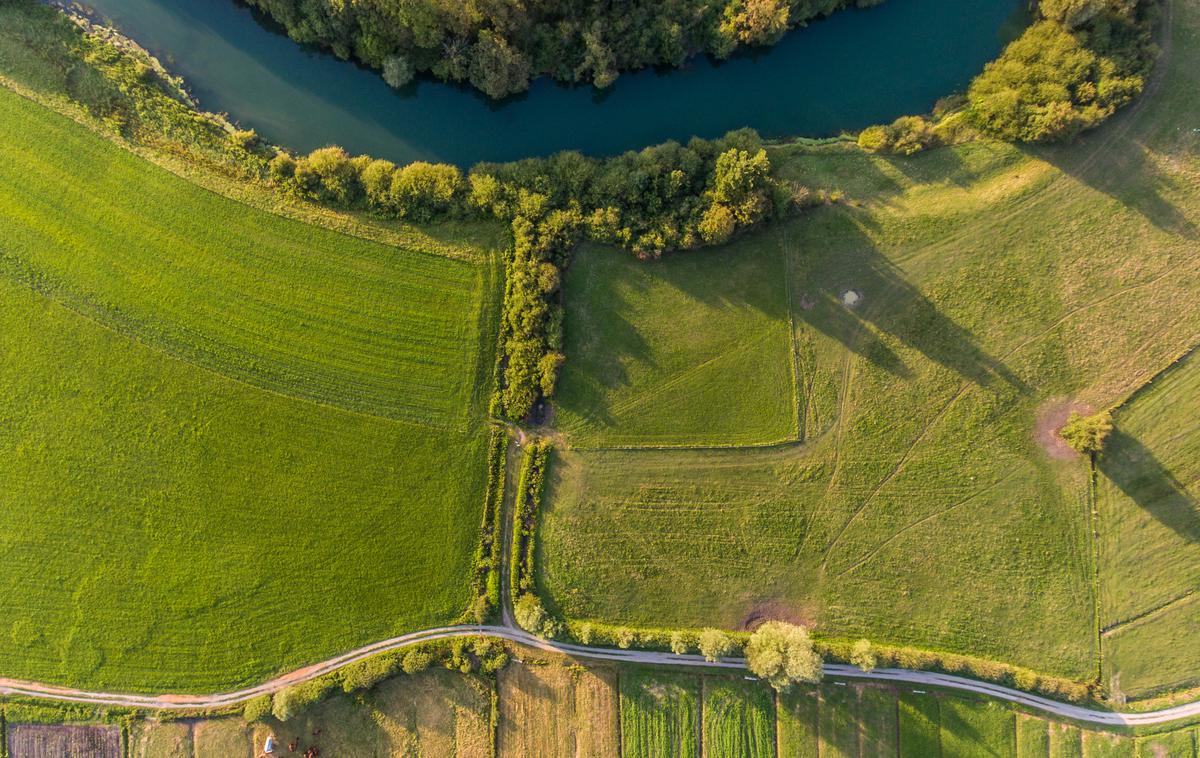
{"x": 851, "y": 70}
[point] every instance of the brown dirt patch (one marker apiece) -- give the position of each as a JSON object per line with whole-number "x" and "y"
{"x": 1050, "y": 418}
{"x": 46, "y": 741}
{"x": 775, "y": 610}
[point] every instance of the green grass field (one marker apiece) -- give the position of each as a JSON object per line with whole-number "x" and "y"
{"x": 1033, "y": 738}
{"x": 920, "y": 731}
{"x": 1148, "y": 484}
{"x": 973, "y": 728}
{"x": 717, "y": 372}
{"x": 739, "y": 719}
{"x": 660, "y": 714}
{"x": 208, "y": 442}
{"x": 921, "y": 508}
{"x": 796, "y": 716}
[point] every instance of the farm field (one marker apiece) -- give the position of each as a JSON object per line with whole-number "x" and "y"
{"x": 557, "y": 709}
{"x": 253, "y": 483}
{"x": 434, "y": 713}
{"x": 921, "y": 508}
{"x": 738, "y": 719}
{"x": 662, "y": 714}
{"x": 1147, "y": 489}
{"x": 719, "y": 372}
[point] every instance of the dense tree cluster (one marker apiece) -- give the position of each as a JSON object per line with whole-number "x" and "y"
{"x": 498, "y": 45}
{"x": 1068, "y": 72}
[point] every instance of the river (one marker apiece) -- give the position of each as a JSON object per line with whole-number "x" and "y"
{"x": 853, "y": 69}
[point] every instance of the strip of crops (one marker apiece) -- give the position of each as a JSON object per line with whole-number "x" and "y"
{"x": 972, "y": 728}
{"x": 920, "y": 726}
{"x": 659, "y": 715}
{"x": 739, "y": 719}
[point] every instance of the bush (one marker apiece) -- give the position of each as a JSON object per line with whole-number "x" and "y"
{"x": 257, "y": 709}
{"x": 415, "y": 661}
{"x": 875, "y": 139}
{"x": 1087, "y": 434}
{"x": 715, "y": 644}
{"x": 422, "y": 191}
{"x": 336, "y": 176}
{"x": 679, "y": 643}
{"x": 377, "y": 183}
{"x": 291, "y": 701}
{"x": 863, "y": 655}
{"x": 530, "y": 614}
{"x": 783, "y": 654}
{"x": 243, "y": 139}
{"x": 625, "y": 638}
{"x": 366, "y": 673}
{"x": 398, "y": 71}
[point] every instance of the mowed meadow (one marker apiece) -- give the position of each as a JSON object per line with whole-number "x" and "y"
{"x": 1148, "y": 484}
{"x": 231, "y": 444}
{"x": 994, "y": 284}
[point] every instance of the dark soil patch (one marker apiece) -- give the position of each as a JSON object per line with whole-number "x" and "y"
{"x": 58, "y": 741}
{"x": 774, "y": 610}
{"x": 1050, "y": 418}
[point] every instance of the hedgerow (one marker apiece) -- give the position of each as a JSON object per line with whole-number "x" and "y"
{"x": 486, "y": 580}
{"x": 479, "y": 655}
{"x": 528, "y": 607}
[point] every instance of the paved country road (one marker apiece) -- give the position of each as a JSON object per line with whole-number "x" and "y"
{"x": 901, "y": 676}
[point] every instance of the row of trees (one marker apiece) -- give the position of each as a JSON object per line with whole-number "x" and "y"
{"x": 498, "y": 45}
{"x": 663, "y": 198}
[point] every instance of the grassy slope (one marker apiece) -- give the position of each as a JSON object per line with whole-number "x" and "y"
{"x": 718, "y": 371}
{"x": 229, "y": 531}
{"x": 921, "y": 510}
{"x": 281, "y": 305}
{"x": 1148, "y": 484}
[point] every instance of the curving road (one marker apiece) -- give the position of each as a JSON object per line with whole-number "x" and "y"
{"x": 902, "y": 676}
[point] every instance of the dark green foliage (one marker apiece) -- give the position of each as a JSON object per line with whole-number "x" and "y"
{"x": 257, "y": 708}
{"x": 499, "y": 46}
{"x": 1066, "y": 73}
{"x": 528, "y": 505}
{"x": 487, "y": 555}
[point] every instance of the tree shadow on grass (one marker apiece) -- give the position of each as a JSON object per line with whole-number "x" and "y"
{"x": 891, "y": 306}
{"x": 603, "y": 338}
{"x": 1126, "y": 174}
{"x": 1145, "y": 480}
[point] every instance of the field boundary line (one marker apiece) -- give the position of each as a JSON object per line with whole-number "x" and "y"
{"x": 179, "y": 702}
{"x": 1149, "y": 614}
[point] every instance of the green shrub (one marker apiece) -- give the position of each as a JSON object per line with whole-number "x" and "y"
{"x": 415, "y": 661}
{"x": 257, "y": 709}
{"x": 783, "y": 654}
{"x": 422, "y": 191}
{"x": 1087, "y": 434}
{"x": 863, "y": 655}
{"x": 715, "y": 644}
